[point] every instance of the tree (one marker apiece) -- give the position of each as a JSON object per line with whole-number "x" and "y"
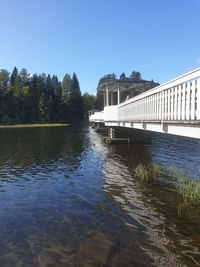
{"x": 99, "y": 100}
{"x": 24, "y": 75}
{"x": 4, "y": 78}
{"x": 56, "y": 86}
{"x": 40, "y": 98}
{"x": 49, "y": 86}
{"x": 89, "y": 102}
{"x": 50, "y": 110}
{"x": 107, "y": 78}
{"x": 65, "y": 88}
{"x": 75, "y": 99}
{"x": 43, "y": 108}
{"x": 136, "y": 75}
{"x": 122, "y": 76}
{"x": 15, "y": 83}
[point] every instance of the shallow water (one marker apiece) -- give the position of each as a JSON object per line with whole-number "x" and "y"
{"x": 68, "y": 200}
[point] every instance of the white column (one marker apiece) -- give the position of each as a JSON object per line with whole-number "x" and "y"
{"x": 104, "y": 98}
{"x": 111, "y": 98}
{"x": 107, "y": 97}
{"x": 118, "y": 95}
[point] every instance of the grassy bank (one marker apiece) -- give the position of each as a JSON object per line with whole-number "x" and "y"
{"x": 33, "y": 125}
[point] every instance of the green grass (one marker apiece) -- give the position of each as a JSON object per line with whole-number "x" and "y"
{"x": 34, "y": 125}
{"x": 187, "y": 188}
{"x": 141, "y": 173}
{"x": 154, "y": 170}
{"x": 172, "y": 171}
{"x": 148, "y": 173}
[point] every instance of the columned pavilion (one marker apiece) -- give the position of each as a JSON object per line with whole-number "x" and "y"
{"x": 116, "y": 92}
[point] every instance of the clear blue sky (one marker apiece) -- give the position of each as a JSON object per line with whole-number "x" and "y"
{"x": 161, "y": 39}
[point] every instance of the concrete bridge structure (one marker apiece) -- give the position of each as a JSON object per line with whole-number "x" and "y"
{"x": 171, "y": 108}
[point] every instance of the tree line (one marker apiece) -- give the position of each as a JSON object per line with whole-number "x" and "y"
{"x": 39, "y": 98}
{"x": 42, "y": 98}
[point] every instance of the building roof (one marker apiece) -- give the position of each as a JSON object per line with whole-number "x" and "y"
{"x": 126, "y": 84}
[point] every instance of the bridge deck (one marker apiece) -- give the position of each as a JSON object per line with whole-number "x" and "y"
{"x": 173, "y": 107}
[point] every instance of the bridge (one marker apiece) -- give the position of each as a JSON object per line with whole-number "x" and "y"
{"x": 171, "y": 108}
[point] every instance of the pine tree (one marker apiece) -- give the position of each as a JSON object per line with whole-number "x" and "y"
{"x": 43, "y": 109}
{"x": 136, "y": 75}
{"x": 75, "y": 99}
{"x": 24, "y": 75}
{"x": 122, "y": 76}
{"x": 65, "y": 88}
{"x": 15, "y": 83}
{"x": 4, "y": 78}
{"x": 56, "y": 86}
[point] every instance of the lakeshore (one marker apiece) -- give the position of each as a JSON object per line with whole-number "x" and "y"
{"x": 34, "y": 125}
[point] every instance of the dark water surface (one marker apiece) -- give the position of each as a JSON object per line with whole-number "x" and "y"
{"x": 68, "y": 200}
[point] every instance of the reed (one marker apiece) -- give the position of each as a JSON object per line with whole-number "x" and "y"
{"x": 142, "y": 174}
{"x": 155, "y": 170}
{"x": 146, "y": 174}
{"x": 187, "y": 188}
{"x": 172, "y": 170}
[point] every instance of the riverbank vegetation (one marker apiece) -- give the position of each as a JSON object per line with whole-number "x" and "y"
{"x": 39, "y": 98}
{"x": 148, "y": 173}
{"x": 33, "y": 125}
{"x": 186, "y": 187}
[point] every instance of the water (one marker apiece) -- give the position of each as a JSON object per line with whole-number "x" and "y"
{"x": 68, "y": 200}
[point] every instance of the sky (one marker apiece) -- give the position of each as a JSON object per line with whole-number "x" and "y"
{"x": 159, "y": 38}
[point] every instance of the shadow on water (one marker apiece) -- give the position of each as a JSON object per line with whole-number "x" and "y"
{"x": 68, "y": 200}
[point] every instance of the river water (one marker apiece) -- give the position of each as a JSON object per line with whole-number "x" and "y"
{"x": 66, "y": 199}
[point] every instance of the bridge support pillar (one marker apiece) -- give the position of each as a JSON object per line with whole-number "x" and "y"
{"x": 107, "y": 96}
{"x": 111, "y": 133}
{"x": 118, "y": 95}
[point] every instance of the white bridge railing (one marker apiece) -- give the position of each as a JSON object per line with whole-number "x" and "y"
{"x": 173, "y": 107}
{"x": 97, "y": 117}
{"x": 177, "y": 100}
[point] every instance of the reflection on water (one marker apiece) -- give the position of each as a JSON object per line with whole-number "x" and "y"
{"x": 68, "y": 200}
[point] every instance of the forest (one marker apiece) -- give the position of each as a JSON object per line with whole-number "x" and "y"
{"x": 39, "y": 98}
